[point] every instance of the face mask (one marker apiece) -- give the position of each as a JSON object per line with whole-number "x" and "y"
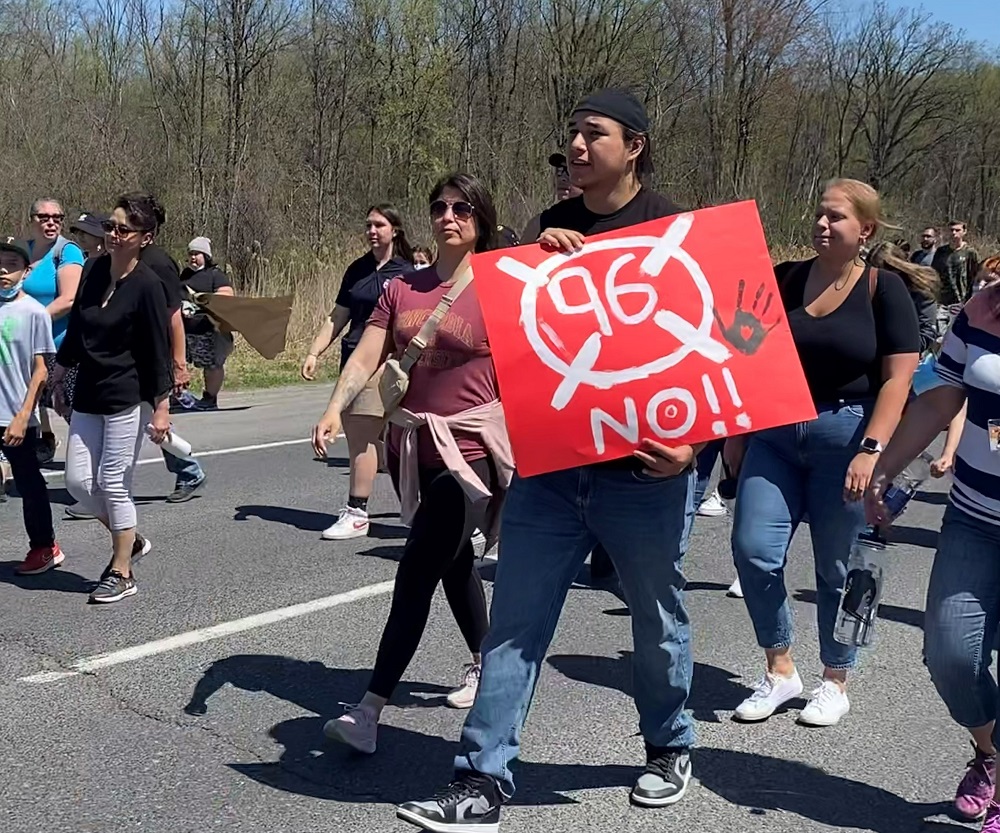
{"x": 419, "y": 266}
{"x": 11, "y": 293}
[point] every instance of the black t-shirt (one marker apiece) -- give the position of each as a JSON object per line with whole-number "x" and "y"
{"x": 573, "y": 215}
{"x": 841, "y": 353}
{"x": 122, "y": 350}
{"x": 168, "y": 271}
{"x": 362, "y": 286}
{"x": 209, "y": 279}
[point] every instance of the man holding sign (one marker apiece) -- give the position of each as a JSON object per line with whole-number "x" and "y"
{"x": 579, "y": 358}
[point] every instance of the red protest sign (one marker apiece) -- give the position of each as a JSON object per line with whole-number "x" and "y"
{"x": 671, "y": 330}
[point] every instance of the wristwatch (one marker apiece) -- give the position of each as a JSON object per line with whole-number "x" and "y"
{"x": 869, "y": 445}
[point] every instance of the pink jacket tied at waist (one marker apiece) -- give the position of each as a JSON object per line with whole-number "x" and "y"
{"x": 485, "y": 420}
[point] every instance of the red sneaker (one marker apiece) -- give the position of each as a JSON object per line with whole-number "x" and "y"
{"x": 39, "y": 560}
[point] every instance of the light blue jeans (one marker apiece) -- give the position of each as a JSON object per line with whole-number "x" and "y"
{"x": 187, "y": 472}
{"x": 963, "y": 611}
{"x": 786, "y": 473}
{"x": 550, "y": 523}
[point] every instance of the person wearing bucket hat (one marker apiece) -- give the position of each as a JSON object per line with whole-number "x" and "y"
{"x": 207, "y": 347}
{"x": 639, "y": 508}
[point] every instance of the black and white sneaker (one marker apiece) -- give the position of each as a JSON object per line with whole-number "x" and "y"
{"x": 668, "y": 772}
{"x": 470, "y": 804}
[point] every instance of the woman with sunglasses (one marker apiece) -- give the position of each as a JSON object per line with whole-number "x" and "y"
{"x": 456, "y": 468}
{"x": 56, "y": 267}
{"x": 119, "y": 340}
{"x": 389, "y": 255}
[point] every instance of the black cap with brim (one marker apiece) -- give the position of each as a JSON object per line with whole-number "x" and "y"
{"x": 18, "y": 247}
{"x": 89, "y": 224}
{"x": 558, "y": 160}
{"x": 619, "y": 105}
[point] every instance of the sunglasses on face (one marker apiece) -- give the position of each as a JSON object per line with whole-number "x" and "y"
{"x": 111, "y": 227}
{"x": 461, "y": 209}
{"x": 50, "y": 218}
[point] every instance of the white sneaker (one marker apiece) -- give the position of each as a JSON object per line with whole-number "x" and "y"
{"x": 771, "y": 692}
{"x": 351, "y": 523}
{"x": 827, "y": 704}
{"x": 358, "y": 729}
{"x": 735, "y": 590}
{"x": 465, "y": 695}
{"x": 712, "y": 506}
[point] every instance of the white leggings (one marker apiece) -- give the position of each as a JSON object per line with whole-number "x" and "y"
{"x": 100, "y": 461}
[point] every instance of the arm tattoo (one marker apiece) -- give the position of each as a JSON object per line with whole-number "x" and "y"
{"x": 349, "y": 385}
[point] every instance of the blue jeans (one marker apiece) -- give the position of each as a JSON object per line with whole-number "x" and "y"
{"x": 188, "y": 472}
{"x": 704, "y": 466}
{"x": 550, "y": 523}
{"x": 788, "y": 472}
{"x": 963, "y": 610}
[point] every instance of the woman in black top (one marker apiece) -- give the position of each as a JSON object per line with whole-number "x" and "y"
{"x": 207, "y": 347}
{"x": 118, "y": 339}
{"x": 364, "y": 281}
{"x": 855, "y": 329}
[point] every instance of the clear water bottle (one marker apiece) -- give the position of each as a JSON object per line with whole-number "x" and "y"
{"x": 862, "y": 592}
{"x": 906, "y": 484}
{"x": 187, "y": 400}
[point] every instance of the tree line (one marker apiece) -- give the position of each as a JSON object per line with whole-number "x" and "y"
{"x": 271, "y": 125}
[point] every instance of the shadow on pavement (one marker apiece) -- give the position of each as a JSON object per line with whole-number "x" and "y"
{"x": 311, "y": 685}
{"x": 894, "y": 613}
{"x": 62, "y": 581}
{"x": 763, "y": 783}
{"x": 933, "y": 498}
{"x": 712, "y": 689}
{"x": 913, "y": 535}
{"x": 311, "y": 766}
{"x": 408, "y": 765}
{"x": 299, "y": 518}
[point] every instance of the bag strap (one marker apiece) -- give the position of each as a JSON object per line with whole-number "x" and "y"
{"x": 872, "y": 281}
{"x": 419, "y": 342}
{"x": 57, "y": 251}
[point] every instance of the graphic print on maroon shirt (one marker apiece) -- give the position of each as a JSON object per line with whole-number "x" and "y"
{"x": 455, "y": 371}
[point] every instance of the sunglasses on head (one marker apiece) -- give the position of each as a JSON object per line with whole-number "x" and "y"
{"x": 46, "y": 218}
{"x": 460, "y": 208}
{"x": 111, "y": 227}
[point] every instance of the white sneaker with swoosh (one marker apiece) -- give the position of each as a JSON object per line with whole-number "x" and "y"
{"x": 351, "y": 523}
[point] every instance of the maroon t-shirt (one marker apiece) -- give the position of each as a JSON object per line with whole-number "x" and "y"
{"x": 455, "y": 372}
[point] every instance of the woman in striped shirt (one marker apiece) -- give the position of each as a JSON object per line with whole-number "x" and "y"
{"x": 963, "y": 598}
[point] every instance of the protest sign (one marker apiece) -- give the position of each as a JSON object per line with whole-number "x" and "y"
{"x": 671, "y": 330}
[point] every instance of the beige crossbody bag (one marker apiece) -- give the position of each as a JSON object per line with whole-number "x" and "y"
{"x": 395, "y": 379}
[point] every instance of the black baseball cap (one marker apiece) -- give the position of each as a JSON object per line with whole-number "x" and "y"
{"x": 18, "y": 247}
{"x": 619, "y": 105}
{"x": 89, "y": 223}
{"x": 558, "y": 160}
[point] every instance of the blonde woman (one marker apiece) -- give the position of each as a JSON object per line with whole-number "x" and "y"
{"x": 855, "y": 329}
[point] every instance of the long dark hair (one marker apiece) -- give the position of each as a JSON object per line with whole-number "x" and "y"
{"x": 918, "y": 278}
{"x": 400, "y": 245}
{"x": 482, "y": 204}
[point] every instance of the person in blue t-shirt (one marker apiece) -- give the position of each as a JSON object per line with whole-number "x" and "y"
{"x": 56, "y": 267}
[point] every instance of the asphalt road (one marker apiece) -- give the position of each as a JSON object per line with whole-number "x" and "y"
{"x": 112, "y": 748}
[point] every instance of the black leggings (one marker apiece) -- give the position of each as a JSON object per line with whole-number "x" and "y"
{"x": 438, "y": 549}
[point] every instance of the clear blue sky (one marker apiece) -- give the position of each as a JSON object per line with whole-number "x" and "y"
{"x": 979, "y": 18}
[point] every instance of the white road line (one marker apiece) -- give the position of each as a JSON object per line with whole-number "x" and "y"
{"x": 215, "y": 452}
{"x": 183, "y": 640}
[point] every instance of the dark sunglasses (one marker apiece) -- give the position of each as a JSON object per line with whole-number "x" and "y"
{"x": 111, "y": 227}
{"x": 45, "y": 218}
{"x": 460, "y": 208}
